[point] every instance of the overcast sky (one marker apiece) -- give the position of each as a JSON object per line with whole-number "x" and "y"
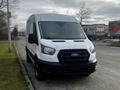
{"x": 102, "y": 10}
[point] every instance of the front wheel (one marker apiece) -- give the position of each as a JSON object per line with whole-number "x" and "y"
{"x": 28, "y": 58}
{"x": 39, "y": 75}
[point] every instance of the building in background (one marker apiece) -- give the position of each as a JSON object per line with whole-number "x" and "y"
{"x": 114, "y": 28}
{"x": 96, "y": 31}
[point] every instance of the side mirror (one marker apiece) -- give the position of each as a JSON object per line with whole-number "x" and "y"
{"x": 32, "y": 39}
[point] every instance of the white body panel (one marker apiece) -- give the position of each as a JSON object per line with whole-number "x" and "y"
{"x": 67, "y": 44}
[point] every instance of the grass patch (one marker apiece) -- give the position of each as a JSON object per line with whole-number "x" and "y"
{"x": 115, "y": 44}
{"x": 11, "y": 77}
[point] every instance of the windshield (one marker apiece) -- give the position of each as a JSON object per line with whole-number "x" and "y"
{"x": 61, "y": 30}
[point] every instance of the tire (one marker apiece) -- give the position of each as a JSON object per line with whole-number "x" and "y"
{"x": 28, "y": 58}
{"x": 39, "y": 75}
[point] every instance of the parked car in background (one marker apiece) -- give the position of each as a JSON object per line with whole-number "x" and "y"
{"x": 96, "y": 31}
{"x": 114, "y": 27}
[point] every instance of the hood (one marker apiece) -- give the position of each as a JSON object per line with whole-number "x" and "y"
{"x": 67, "y": 44}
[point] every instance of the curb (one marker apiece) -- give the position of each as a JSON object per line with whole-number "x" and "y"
{"x": 24, "y": 71}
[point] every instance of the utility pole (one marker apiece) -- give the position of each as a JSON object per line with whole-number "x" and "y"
{"x": 8, "y": 26}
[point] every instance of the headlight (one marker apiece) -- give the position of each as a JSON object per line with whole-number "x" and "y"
{"x": 92, "y": 50}
{"x": 47, "y": 50}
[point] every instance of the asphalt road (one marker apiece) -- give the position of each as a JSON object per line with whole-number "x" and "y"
{"x": 106, "y": 77}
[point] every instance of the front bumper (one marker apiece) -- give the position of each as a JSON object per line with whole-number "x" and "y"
{"x": 54, "y": 67}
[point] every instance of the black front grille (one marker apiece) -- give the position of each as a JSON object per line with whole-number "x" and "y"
{"x": 73, "y": 56}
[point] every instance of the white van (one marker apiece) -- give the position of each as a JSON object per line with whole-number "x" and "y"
{"x": 57, "y": 44}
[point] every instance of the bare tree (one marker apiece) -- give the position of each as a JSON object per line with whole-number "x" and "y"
{"x": 5, "y": 6}
{"x": 84, "y": 12}
{"x": 2, "y": 4}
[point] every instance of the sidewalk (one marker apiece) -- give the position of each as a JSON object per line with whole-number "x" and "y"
{"x": 24, "y": 70}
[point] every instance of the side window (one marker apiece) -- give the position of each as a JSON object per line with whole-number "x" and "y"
{"x": 28, "y": 26}
{"x": 35, "y": 32}
{"x": 31, "y": 28}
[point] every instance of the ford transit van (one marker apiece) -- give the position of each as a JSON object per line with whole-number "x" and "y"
{"x": 57, "y": 44}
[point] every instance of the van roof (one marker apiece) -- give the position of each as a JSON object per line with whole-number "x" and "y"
{"x": 54, "y": 17}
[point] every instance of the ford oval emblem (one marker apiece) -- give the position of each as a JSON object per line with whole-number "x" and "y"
{"x": 74, "y": 54}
